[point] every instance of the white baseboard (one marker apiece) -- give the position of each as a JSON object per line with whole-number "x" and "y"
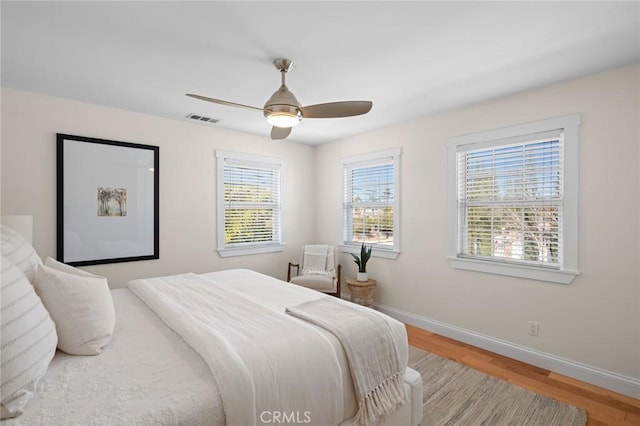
{"x": 629, "y": 386}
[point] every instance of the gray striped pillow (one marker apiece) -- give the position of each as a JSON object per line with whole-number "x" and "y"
{"x": 28, "y": 340}
{"x": 20, "y": 252}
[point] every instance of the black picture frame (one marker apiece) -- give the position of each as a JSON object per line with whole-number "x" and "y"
{"x": 107, "y": 201}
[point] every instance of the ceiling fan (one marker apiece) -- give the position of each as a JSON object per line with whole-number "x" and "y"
{"x": 283, "y": 111}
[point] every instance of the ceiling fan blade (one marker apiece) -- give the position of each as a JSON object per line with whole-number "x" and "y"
{"x": 280, "y": 132}
{"x": 336, "y": 109}
{"x": 221, "y": 102}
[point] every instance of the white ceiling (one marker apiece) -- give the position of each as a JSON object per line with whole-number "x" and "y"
{"x": 411, "y": 59}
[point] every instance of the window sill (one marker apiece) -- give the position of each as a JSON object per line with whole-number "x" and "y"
{"x": 376, "y": 252}
{"x": 530, "y": 272}
{"x": 248, "y": 250}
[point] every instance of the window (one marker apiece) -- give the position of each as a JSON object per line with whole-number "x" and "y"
{"x": 371, "y": 205}
{"x": 249, "y": 204}
{"x": 513, "y": 200}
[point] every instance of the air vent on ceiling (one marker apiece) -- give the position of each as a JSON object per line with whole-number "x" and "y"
{"x": 202, "y": 118}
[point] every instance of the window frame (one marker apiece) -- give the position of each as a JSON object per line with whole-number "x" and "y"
{"x": 568, "y": 270}
{"x": 379, "y": 250}
{"x": 229, "y": 250}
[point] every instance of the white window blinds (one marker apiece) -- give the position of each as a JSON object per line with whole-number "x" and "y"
{"x": 251, "y": 204}
{"x": 370, "y": 201}
{"x": 510, "y": 200}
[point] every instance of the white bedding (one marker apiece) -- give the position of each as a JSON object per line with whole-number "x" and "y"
{"x": 278, "y": 295}
{"x": 149, "y": 375}
{"x": 259, "y": 358}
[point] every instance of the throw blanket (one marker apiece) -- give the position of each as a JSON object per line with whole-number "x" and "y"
{"x": 265, "y": 363}
{"x": 371, "y": 352}
{"x": 318, "y": 259}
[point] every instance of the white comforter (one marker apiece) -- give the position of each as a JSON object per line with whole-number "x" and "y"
{"x": 259, "y": 358}
{"x": 265, "y": 362}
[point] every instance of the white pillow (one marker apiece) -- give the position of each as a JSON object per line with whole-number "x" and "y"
{"x": 28, "y": 340}
{"x": 52, "y": 263}
{"x": 20, "y": 252}
{"x": 80, "y": 304}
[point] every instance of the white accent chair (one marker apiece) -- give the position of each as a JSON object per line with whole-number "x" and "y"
{"x": 317, "y": 270}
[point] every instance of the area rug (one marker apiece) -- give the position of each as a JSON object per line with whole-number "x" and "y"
{"x": 458, "y": 395}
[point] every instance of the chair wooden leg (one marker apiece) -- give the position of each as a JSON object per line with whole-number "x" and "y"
{"x": 337, "y": 293}
{"x": 292, "y": 265}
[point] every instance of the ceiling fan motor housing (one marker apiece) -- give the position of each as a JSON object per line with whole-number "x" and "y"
{"x": 283, "y": 109}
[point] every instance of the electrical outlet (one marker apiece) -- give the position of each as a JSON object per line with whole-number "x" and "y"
{"x": 534, "y": 328}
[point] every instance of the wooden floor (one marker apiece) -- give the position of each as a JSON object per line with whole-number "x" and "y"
{"x": 604, "y": 407}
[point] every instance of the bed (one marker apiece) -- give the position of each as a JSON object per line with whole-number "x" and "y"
{"x": 150, "y": 374}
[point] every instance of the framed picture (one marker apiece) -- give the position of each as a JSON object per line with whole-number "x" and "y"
{"x": 107, "y": 201}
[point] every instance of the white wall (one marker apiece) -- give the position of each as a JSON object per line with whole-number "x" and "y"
{"x": 187, "y": 181}
{"x": 596, "y": 319}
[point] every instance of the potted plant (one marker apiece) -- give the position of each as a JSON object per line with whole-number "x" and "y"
{"x": 361, "y": 261}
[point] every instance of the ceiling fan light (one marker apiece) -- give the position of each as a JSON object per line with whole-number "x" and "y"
{"x": 282, "y": 115}
{"x": 283, "y": 119}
